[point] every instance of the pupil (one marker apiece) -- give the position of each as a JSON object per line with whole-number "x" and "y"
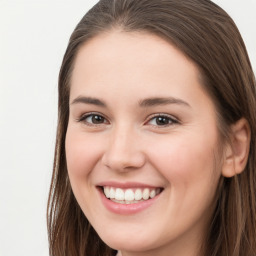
{"x": 162, "y": 120}
{"x": 97, "y": 119}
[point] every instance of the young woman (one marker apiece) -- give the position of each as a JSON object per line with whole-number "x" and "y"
{"x": 155, "y": 149}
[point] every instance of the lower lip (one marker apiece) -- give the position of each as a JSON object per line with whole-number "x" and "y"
{"x": 126, "y": 209}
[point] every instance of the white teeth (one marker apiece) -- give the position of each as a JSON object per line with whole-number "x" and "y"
{"x": 145, "y": 194}
{"x": 112, "y": 193}
{"x": 119, "y": 194}
{"x": 106, "y": 192}
{"x": 138, "y": 194}
{"x": 126, "y": 202}
{"x": 152, "y": 193}
{"x": 129, "y": 196}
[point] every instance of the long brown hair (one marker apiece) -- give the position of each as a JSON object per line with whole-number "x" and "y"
{"x": 208, "y": 36}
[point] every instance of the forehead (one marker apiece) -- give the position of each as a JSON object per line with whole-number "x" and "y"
{"x": 130, "y": 48}
{"x": 131, "y": 53}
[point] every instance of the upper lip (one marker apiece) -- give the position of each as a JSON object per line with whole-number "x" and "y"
{"x": 126, "y": 184}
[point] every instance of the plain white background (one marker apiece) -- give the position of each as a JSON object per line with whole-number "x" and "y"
{"x": 33, "y": 38}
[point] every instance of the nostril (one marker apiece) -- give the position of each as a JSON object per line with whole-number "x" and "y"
{"x": 122, "y": 163}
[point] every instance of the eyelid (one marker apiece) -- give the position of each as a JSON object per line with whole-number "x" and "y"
{"x": 171, "y": 117}
{"x": 82, "y": 118}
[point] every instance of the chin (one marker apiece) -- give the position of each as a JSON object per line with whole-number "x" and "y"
{"x": 128, "y": 242}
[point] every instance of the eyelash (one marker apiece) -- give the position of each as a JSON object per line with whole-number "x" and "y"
{"x": 171, "y": 120}
{"x": 92, "y": 114}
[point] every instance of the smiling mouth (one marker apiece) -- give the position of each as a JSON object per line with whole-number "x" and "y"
{"x": 130, "y": 195}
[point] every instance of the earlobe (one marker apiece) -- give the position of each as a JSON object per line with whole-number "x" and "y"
{"x": 236, "y": 153}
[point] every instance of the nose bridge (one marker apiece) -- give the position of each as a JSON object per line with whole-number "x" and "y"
{"x": 124, "y": 150}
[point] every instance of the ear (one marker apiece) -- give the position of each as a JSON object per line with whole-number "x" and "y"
{"x": 236, "y": 153}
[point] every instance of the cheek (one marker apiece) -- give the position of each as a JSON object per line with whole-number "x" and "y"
{"x": 82, "y": 153}
{"x": 186, "y": 161}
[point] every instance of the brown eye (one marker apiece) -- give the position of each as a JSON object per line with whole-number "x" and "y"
{"x": 94, "y": 119}
{"x": 162, "y": 120}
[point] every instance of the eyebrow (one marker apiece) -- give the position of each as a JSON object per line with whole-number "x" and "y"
{"x": 151, "y": 102}
{"x": 89, "y": 100}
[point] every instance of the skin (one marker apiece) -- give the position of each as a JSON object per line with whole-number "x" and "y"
{"x": 129, "y": 145}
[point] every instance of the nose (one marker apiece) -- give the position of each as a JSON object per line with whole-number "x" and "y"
{"x": 124, "y": 150}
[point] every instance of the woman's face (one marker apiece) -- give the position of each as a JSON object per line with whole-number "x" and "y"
{"x": 141, "y": 126}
